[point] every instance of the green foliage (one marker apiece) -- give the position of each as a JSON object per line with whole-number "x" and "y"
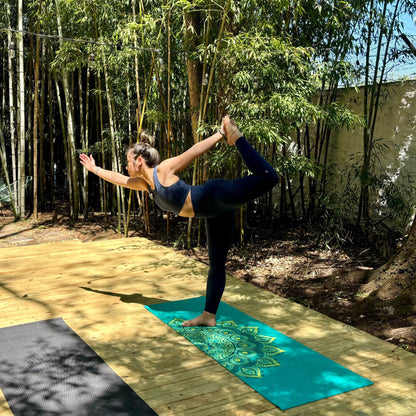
{"x": 279, "y": 65}
{"x": 339, "y": 116}
{"x": 296, "y": 163}
{"x": 267, "y": 85}
{"x": 334, "y": 229}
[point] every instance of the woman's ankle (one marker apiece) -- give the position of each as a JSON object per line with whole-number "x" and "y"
{"x": 205, "y": 319}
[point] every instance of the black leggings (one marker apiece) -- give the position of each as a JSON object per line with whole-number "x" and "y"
{"x": 216, "y": 200}
{"x": 219, "y": 196}
{"x": 219, "y": 238}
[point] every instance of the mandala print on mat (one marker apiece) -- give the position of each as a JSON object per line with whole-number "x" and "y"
{"x": 238, "y": 348}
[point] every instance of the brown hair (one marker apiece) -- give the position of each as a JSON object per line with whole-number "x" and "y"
{"x": 145, "y": 149}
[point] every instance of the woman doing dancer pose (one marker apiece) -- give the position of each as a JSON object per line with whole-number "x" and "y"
{"x": 215, "y": 200}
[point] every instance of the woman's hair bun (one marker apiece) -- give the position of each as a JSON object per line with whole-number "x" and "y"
{"x": 147, "y": 138}
{"x": 145, "y": 149}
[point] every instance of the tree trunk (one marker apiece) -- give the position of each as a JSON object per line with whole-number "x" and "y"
{"x": 398, "y": 274}
{"x": 192, "y": 27}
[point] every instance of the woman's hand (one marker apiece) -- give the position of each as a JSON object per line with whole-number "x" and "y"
{"x": 137, "y": 184}
{"x": 87, "y": 162}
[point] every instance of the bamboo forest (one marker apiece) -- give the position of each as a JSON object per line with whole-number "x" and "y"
{"x": 90, "y": 76}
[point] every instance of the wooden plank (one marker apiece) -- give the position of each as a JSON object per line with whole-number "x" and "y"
{"x": 100, "y": 290}
{"x": 4, "y": 407}
{"x": 227, "y": 403}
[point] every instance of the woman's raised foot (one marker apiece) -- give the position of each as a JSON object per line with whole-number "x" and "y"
{"x": 231, "y": 130}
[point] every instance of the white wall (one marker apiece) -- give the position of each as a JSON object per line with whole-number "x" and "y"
{"x": 396, "y": 129}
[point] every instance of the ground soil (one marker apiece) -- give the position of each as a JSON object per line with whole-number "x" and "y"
{"x": 293, "y": 266}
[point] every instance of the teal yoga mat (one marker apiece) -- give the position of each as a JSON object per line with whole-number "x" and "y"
{"x": 281, "y": 369}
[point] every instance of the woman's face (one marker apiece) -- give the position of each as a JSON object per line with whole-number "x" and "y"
{"x": 132, "y": 166}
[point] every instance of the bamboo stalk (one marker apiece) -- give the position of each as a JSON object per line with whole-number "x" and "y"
{"x": 6, "y": 173}
{"x": 149, "y": 81}
{"x": 36, "y": 122}
{"x": 204, "y": 109}
{"x": 72, "y": 163}
{"x": 21, "y": 114}
{"x": 12, "y": 111}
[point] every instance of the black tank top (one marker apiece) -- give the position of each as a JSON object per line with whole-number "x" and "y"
{"x": 169, "y": 198}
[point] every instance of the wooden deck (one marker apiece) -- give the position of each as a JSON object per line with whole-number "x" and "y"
{"x": 100, "y": 288}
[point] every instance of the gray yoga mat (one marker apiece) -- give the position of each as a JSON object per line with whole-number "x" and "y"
{"x": 47, "y": 369}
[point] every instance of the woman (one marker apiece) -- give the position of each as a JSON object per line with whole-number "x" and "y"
{"x": 215, "y": 200}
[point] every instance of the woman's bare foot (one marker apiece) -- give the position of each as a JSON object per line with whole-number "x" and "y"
{"x": 231, "y": 130}
{"x": 205, "y": 319}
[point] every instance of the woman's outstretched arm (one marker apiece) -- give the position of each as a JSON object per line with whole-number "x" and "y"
{"x": 181, "y": 162}
{"x": 178, "y": 163}
{"x": 115, "y": 178}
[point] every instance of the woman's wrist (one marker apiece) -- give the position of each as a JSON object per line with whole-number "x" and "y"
{"x": 96, "y": 170}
